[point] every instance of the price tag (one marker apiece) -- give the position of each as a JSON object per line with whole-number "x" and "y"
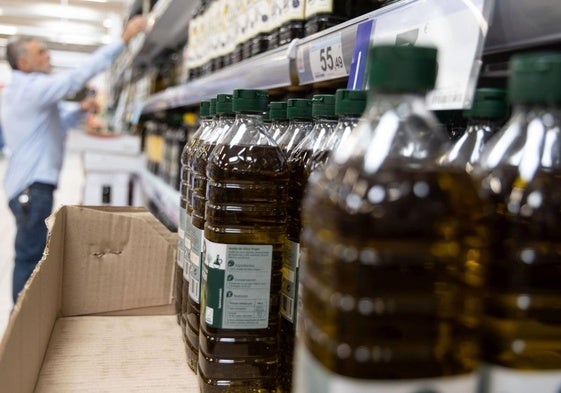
{"x": 326, "y": 58}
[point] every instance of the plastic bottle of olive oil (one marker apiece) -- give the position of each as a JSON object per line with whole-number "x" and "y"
{"x": 394, "y": 249}
{"x": 198, "y": 167}
{"x": 188, "y": 187}
{"x": 521, "y": 171}
{"x": 485, "y": 118}
{"x": 300, "y": 164}
{"x": 349, "y": 107}
{"x": 300, "y": 123}
{"x": 182, "y": 248}
{"x": 278, "y": 119}
{"x": 244, "y": 238}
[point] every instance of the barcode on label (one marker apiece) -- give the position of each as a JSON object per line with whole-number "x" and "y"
{"x": 287, "y": 308}
{"x": 194, "y": 288}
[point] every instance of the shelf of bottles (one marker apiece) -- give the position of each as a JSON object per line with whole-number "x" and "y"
{"x": 305, "y": 61}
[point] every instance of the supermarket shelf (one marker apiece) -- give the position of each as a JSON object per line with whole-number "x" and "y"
{"x": 165, "y": 197}
{"x": 167, "y": 28}
{"x": 515, "y": 24}
{"x": 265, "y": 71}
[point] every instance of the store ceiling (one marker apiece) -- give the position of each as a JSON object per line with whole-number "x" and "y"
{"x": 72, "y": 27}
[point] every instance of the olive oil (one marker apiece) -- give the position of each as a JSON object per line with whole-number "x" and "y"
{"x": 244, "y": 238}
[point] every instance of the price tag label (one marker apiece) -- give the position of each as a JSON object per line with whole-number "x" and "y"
{"x": 326, "y": 58}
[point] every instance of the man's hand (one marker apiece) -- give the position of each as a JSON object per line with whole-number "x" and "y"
{"x": 134, "y": 26}
{"x": 89, "y": 105}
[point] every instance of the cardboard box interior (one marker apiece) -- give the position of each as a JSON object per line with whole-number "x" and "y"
{"x": 97, "y": 313}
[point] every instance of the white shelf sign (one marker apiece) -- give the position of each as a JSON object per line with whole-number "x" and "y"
{"x": 326, "y": 58}
{"x": 456, "y": 27}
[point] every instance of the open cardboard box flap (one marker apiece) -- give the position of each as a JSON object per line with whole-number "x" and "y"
{"x": 99, "y": 261}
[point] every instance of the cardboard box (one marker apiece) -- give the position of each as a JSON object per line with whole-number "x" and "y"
{"x": 97, "y": 314}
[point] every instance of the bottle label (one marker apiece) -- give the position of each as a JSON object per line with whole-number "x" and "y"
{"x": 196, "y": 256}
{"x": 292, "y": 10}
{"x": 504, "y": 380}
{"x": 263, "y": 16}
{"x": 313, "y": 377}
{"x": 289, "y": 289}
{"x": 238, "y": 285}
{"x": 318, "y": 6}
{"x": 180, "y": 238}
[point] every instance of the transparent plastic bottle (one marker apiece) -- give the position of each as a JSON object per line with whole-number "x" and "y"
{"x": 188, "y": 186}
{"x": 485, "y": 118}
{"x": 393, "y": 249}
{"x": 182, "y": 248}
{"x": 520, "y": 168}
{"x": 244, "y": 238}
{"x": 300, "y": 123}
{"x": 349, "y": 106}
{"x": 300, "y": 164}
{"x": 278, "y": 118}
{"x": 198, "y": 166}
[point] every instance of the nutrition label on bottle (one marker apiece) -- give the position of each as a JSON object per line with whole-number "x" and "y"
{"x": 505, "y": 380}
{"x": 238, "y": 285}
{"x": 289, "y": 289}
{"x": 197, "y": 254}
{"x": 313, "y": 377}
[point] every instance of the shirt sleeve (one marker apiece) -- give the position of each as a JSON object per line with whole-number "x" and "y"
{"x": 70, "y": 114}
{"x": 49, "y": 89}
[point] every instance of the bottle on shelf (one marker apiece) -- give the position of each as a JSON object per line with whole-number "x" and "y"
{"x": 183, "y": 248}
{"x": 260, "y": 40}
{"x": 244, "y": 239}
{"x": 310, "y": 153}
{"x": 300, "y": 123}
{"x": 207, "y": 125}
{"x": 198, "y": 164}
{"x": 485, "y": 118}
{"x": 520, "y": 170}
{"x": 291, "y": 20}
{"x": 349, "y": 107}
{"x": 278, "y": 119}
{"x": 393, "y": 249}
{"x": 323, "y": 14}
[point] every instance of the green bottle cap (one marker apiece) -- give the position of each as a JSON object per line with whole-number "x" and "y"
{"x": 249, "y": 100}
{"x": 402, "y": 69}
{"x": 224, "y": 104}
{"x": 535, "y": 78}
{"x": 350, "y": 102}
{"x": 204, "y": 109}
{"x": 212, "y": 108}
{"x": 277, "y": 111}
{"x": 323, "y": 105}
{"x": 299, "y": 108}
{"x": 489, "y": 104}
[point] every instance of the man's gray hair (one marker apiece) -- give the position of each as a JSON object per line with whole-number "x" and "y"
{"x": 16, "y": 49}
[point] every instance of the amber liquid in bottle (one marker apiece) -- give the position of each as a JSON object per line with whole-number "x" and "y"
{"x": 247, "y": 193}
{"x": 522, "y": 326}
{"x": 425, "y": 233}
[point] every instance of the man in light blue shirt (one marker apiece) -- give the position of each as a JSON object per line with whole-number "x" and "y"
{"x": 34, "y": 126}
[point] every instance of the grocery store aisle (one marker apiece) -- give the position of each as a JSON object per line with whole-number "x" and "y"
{"x": 68, "y": 193}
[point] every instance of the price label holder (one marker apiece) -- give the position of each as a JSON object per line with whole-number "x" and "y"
{"x": 456, "y": 27}
{"x": 357, "y": 75}
{"x": 326, "y": 58}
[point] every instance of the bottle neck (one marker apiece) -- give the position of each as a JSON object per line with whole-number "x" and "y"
{"x": 484, "y": 124}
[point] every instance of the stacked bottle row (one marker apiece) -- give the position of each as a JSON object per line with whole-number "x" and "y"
{"x": 163, "y": 143}
{"x": 223, "y": 32}
{"x": 399, "y": 262}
